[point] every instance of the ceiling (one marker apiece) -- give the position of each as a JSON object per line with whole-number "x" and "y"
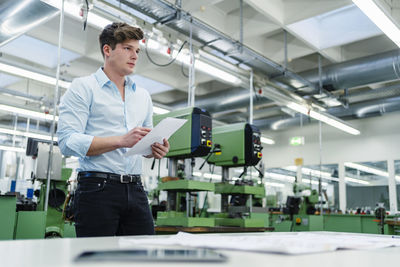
{"x": 279, "y": 43}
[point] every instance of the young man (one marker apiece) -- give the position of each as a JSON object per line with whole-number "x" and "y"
{"x": 101, "y": 116}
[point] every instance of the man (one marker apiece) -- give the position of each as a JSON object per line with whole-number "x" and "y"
{"x": 101, "y": 116}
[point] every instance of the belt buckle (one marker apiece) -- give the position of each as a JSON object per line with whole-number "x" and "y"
{"x": 125, "y": 181}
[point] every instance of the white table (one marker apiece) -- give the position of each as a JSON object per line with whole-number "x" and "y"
{"x": 61, "y": 252}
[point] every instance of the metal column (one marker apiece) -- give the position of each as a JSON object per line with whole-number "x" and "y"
{"x": 392, "y": 186}
{"x": 342, "y": 187}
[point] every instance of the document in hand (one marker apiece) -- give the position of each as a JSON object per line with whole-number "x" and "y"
{"x": 164, "y": 129}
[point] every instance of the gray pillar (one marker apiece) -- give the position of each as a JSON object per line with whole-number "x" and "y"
{"x": 392, "y": 187}
{"x": 342, "y": 187}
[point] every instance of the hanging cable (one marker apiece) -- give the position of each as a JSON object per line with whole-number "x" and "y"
{"x": 166, "y": 64}
{"x": 183, "y": 71}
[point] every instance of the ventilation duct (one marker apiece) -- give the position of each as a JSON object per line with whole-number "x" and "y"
{"x": 18, "y": 17}
{"x": 362, "y": 71}
{"x": 359, "y": 110}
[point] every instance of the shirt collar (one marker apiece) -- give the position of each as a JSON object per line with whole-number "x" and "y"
{"x": 102, "y": 79}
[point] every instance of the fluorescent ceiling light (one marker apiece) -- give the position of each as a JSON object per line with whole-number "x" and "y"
{"x": 12, "y": 148}
{"x": 73, "y": 10}
{"x": 158, "y": 110}
{"x": 32, "y": 75}
{"x": 358, "y": 181}
{"x": 376, "y": 14}
{"x": 28, "y": 113}
{"x": 335, "y": 122}
{"x": 274, "y": 184}
{"x": 202, "y": 66}
{"x": 213, "y": 176}
{"x": 369, "y": 170}
{"x": 314, "y": 173}
{"x": 266, "y": 140}
{"x": 279, "y": 176}
{"x": 307, "y": 181}
{"x": 216, "y": 72}
{"x": 27, "y": 134}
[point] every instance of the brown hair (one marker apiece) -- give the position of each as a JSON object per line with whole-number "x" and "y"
{"x": 118, "y": 32}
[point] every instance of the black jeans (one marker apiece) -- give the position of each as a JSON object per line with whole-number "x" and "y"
{"x": 107, "y": 208}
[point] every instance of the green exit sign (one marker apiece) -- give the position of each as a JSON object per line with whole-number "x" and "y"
{"x": 296, "y": 141}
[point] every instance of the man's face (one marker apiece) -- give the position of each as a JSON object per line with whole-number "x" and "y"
{"x": 124, "y": 56}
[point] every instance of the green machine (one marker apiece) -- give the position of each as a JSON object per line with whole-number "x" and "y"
{"x": 193, "y": 139}
{"x": 238, "y": 145}
{"x": 23, "y": 218}
{"x": 55, "y": 225}
{"x": 302, "y": 211}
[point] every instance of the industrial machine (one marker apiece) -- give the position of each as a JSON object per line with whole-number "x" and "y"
{"x": 192, "y": 140}
{"x": 58, "y": 191}
{"x": 302, "y": 209}
{"x": 238, "y": 145}
{"x": 26, "y": 218}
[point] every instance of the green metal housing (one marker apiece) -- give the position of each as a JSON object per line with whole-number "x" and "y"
{"x": 186, "y": 186}
{"x": 193, "y": 139}
{"x": 239, "y": 143}
{"x": 8, "y": 216}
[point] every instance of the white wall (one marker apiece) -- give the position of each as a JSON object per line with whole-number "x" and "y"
{"x": 379, "y": 140}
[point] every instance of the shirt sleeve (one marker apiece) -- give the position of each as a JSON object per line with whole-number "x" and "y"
{"x": 74, "y": 112}
{"x": 148, "y": 122}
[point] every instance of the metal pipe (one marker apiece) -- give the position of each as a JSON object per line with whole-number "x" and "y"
{"x": 251, "y": 98}
{"x": 362, "y": 71}
{"x": 22, "y": 95}
{"x": 285, "y": 49}
{"x": 364, "y": 109}
{"x": 50, "y": 162}
{"x": 241, "y": 26}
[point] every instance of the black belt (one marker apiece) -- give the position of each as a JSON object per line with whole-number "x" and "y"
{"x": 122, "y": 178}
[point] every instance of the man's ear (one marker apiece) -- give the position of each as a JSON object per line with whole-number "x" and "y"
{"x": 106, "y": 50}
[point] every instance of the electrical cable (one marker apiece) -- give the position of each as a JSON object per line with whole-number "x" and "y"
{"x": 183, "y": 72}
{"x": 217, "y": 148}
{"x": 163, "y": 65}
{"x": 205, "y": 198}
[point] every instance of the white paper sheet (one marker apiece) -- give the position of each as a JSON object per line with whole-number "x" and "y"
{"x": 164, "y": 129}
{"x": 286, "y": 243}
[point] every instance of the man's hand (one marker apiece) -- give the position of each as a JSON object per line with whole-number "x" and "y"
{"x": 159, "y": 150}
{"x": 133, "y": 136}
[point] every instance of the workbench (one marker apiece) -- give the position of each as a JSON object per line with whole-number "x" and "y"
{"x": 61, "y": 252}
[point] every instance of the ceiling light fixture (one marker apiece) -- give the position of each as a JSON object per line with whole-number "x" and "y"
{"x": 279, "y": 176}
{"x": 354, "y": 180}
{"x": 27, "y": 113}
{"x": 378, "y": 16}
{"x": 200, "y": 65}
{"x": 267, "y": 141}
{"x": 307, "y": 181}
{"x": 74, "y": 10}
{"x": 13, "y": 70}
{"x": 27, "y": 134}
{"x": 369, "y": 170}
{"x": 274, "y": 184}
{"x": 314, "y": 173}
{"x": 326, "y": 118}
{"x": 213, "y": 176}
{"x": 12, "y": 148}
{"x": 296, "y": 103}
{"x": 216, "y": 72}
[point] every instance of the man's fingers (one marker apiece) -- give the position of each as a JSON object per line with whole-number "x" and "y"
{"x": 160, "y": 148}
{"x": 166, "y": 143}
{"x": 156, "y": 154}
{"x": 141, "y": 132}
